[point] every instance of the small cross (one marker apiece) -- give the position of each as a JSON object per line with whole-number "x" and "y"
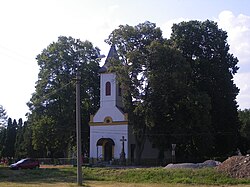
{"x": 123, "y": 155}
{"x": 123, "y": 140}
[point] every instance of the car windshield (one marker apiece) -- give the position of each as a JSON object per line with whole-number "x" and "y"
{"x": 21, "y": 161}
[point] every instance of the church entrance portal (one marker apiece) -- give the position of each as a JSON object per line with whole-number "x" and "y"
{"x": 107, "y": 146}
{"x": 108, "y": 151}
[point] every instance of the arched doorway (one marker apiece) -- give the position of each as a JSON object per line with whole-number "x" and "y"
{"x": 108, "y": 151}
{"x": 107, "y": 146}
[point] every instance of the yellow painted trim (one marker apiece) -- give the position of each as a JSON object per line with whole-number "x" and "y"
{"x": 108, "y": 124}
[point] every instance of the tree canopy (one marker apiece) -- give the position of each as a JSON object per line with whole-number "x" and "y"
{"x": 132, "y": 43}
{"x": 179, "y": 113}
{"x": 183, "y": 87}
{"x": 52, "y": 105}
{"x": 244, "y": 116}
{"x": 176, "y": 91}
{"x": 205, "y": 47}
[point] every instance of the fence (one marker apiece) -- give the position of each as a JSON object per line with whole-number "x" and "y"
{"x": 61, "y": 161}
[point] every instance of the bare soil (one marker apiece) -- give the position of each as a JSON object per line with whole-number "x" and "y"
{"x": 236, "y": 166}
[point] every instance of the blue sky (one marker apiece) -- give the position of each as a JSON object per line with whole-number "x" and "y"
{"x": 29, "y": 26}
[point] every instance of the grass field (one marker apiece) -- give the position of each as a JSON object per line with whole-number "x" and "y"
{"x": 145, "y": 177}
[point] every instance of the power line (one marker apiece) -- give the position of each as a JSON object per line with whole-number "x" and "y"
{"x": 15, "y": 55}
{"x": 165, "y": 134}
{"x": 40, "y": 99}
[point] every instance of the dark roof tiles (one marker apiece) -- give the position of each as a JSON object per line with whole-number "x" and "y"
{"x": 111, "y": 55}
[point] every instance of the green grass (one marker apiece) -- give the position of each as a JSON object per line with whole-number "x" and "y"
{"x": 38, "y": 175}
{"x": 163, "y": 176}
{"x": 138, "y": 175}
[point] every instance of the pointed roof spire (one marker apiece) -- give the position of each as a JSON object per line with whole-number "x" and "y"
{"x": 111, "y": 55}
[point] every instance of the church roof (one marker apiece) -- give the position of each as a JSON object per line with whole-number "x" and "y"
{"x": 111, "y": 55}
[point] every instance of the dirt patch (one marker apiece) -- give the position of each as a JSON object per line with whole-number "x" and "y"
{"x": 236, "y": 166}
{"x": 55, "y": 166}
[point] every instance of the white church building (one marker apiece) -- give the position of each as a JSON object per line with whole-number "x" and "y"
{"x": 110, "y": 134}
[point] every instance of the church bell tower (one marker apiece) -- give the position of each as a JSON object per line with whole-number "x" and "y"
{"x": 110, "y": 95}
{"x": 110, "y": 124}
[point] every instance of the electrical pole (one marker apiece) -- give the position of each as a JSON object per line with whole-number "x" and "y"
{"x": 78, "y": 131}
{"x": 78, "y": 126}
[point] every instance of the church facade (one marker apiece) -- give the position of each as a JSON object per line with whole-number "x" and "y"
{"x": 111, "y": 137}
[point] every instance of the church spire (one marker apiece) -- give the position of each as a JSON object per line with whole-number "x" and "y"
{"x": 111, "y": 55}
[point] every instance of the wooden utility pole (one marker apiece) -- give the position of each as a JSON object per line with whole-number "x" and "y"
{"x": 78, "y": 131}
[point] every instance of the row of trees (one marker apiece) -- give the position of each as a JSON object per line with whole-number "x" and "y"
{"x": 181, "y": 90}
{"x": 178, "y": 90}
{"x": 15, "y": 137}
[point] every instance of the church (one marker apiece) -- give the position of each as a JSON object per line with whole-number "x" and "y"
{"x": 111, "y": 137}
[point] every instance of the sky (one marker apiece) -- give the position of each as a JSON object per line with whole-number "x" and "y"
{"x": 29, "y": 26}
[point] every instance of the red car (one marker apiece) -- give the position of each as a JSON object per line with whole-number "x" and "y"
{"x": 27, "y": 163}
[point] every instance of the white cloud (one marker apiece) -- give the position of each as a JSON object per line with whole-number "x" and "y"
{"x": 113, "y": 8}
{"x": 238, "y": 29}
{"x": 167, "y": 27}
{"x": 242, "y": 81}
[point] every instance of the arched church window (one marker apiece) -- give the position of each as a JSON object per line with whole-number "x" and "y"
{"x": 108, "y": 88}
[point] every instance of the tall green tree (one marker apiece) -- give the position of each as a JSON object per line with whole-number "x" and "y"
{"x": 205, "y": 47}
{"x": 2, "y": 141}
{"x": 19, "y": 151}
{"x": 179, "y": 113}
{"x": 3, "y": 122}
{"x": 26, "y": 147}
{"x": 3, "y": 117}
{"x": 9, "y": 149}
{"x": 52, "y": 105}
{"x": 131, "y": 43}
{"x": 244, "y": 116}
